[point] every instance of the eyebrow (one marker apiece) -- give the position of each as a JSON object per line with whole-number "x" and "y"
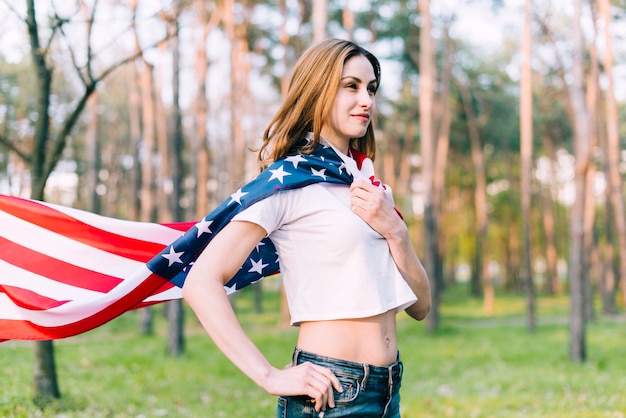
{"x": 357, "y": 79}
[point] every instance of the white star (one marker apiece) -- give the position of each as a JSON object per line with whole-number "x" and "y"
{"x": 279, "y": 174}
{"x": 236, "y": 197}
{"x": 321, "y": 173}
{"x": 257, "y": 266}
{"x": 295, "y": 159}
{"x": 342, "y": 167}
{"x": 173, "y": 257}
{"x": 258, "y": 246}
{"x": 189, "y": 266}
{"x": 204, "y": 226}
{"x": 231, "y": 289}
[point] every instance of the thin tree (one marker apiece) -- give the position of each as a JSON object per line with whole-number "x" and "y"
{"x": 480, "y": 203}
{"x": 174, "y": 308}
{"x": 204, "y": 25}
{"x": 577, "y": 345}
{"x": 319, "y": 19}
{"x": 579, "y": 115}
{"x": 613, "y": 151}
{"x": 526, "y": 153}
{"x": 428, "y": 146}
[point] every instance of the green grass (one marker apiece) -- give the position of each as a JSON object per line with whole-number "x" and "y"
{"x": 474, "y": 366}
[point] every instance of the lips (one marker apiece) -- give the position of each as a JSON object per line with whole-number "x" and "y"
{"x": 363, "y": 117}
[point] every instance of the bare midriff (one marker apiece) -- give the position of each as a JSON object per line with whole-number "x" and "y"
{"x": 370, "y": 340}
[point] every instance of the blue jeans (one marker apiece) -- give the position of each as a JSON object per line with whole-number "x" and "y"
{"x": 368, "y": 391}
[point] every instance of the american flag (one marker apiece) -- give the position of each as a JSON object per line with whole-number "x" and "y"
{"x": 65, "y": 271}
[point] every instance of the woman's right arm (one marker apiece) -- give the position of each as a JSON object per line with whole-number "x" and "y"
{"x": 204, "y": 291}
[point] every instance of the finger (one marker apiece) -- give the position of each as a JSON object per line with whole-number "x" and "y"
{"x": 327, "y": 381}
{"x": 331, "y": 396}
{"x": 328, "y": 374}
{"x": 362, "y": 185}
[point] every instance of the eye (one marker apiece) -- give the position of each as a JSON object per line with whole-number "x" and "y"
{"x": 372, "y": 88}
{"x": 351, "y": 86}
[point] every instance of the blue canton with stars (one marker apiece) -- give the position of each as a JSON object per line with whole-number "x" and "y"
{"x": 293, "y": 171}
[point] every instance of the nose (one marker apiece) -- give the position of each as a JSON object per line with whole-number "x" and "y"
{"x": 366, "y": 99}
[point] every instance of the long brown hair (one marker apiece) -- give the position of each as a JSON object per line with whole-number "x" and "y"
{"x": 310, "y": 96}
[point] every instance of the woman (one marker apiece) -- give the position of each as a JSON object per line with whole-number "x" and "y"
{"x": 346, "y": 259}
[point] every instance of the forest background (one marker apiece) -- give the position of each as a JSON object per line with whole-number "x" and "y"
{"x": 506, "y": 156}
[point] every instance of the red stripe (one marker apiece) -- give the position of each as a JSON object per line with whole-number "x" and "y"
{"x": 180, "y": 226}
{"x": 55, "y": 269}
{"x": 30, "y": 300}
{"x": 26, "y": 330}
{"x": 58, "y": 222}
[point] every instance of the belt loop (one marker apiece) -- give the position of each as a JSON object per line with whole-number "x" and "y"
{"x": 366, "y": 372}
{"x": 294, "y": 357}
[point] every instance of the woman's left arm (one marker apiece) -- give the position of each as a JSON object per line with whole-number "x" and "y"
{"x": 371, "y": 204}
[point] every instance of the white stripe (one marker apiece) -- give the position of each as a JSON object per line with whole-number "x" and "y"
{"x": 65, "y": 249}
{"x": 169, "y": 294}
{"x": 18, "y": 277}
{"x": 73, "y": 311}
{"x": 145, "y": 231}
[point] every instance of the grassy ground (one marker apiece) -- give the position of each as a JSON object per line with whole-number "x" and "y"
{"x": 473, "y": 367}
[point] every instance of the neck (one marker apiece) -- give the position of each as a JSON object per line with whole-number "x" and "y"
{"x": 341, "y": 146}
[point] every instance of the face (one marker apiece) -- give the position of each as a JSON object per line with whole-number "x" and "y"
{"x": 353, "y": 105}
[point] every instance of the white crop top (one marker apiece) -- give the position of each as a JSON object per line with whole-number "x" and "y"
{"x": 333, "y": 264}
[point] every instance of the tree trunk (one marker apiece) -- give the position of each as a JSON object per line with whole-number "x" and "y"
{"x": 613, "y": 151}
{"x": 201, "y": 114}
{"x": 589, "y": 244}
{"x": 134, "y": 121}
{"x": 93, "y": 161}
{"x": 147, "y": 144}
{"x": 348, "y": 19}
{"x": 320, "y": 20}
{"x": 284, "y": 84}
{"x": 163, "y": 170}
{"x": 146, "y": 153}
{"x": 45, "y": 384}
{"x": 443, "y": 117}
{"x": 577, "y": 346}
{"x": 428, "y": 146}
{"x": 480, "y": 270}
{"x": 526, "y": 142}
{"x": 553, "y": 284}
{"x": 175, "y": 317}
{"x": 610, "y": 266}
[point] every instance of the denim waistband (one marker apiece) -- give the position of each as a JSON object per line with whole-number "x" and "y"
{"x": 366, "y": 372}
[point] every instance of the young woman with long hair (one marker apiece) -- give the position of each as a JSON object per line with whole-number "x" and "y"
{"x": 346, "y": 259}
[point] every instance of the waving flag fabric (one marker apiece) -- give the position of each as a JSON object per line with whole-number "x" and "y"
{"x": 64, "y": 271}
